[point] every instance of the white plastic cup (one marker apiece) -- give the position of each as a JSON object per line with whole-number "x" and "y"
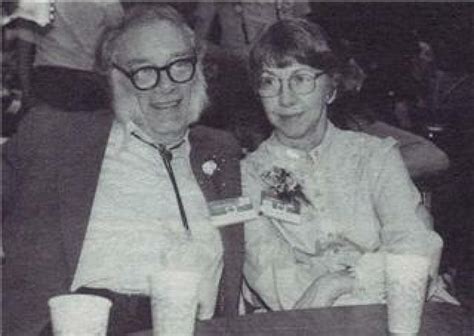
{"x": 406, "y": 279}
{"x": 79, "y": 315}
{"x": 174, "y": 302}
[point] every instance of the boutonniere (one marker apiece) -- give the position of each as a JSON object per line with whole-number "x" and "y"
{"x": 209, "y": 167}
{"x": 282, "y": 185}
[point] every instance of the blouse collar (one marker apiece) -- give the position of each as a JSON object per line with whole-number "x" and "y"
{"x": 276, "y": 147}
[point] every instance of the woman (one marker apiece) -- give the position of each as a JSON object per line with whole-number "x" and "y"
{"x": 331, "y": 200}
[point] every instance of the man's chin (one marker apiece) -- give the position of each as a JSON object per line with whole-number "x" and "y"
{"x": 167, "y": 136}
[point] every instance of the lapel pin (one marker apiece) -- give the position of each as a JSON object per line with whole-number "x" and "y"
{"x": 209, "y": 167}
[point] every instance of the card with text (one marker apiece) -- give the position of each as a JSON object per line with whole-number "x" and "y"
{"x": 231, "y": 210}
{"x": 278, "y": 209}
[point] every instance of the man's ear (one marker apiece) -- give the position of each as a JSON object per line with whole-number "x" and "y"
{"x": 125, "y": 103}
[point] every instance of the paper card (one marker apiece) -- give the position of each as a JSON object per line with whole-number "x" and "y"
{"x": 278, "y": 209}
{"x": 231, "y": 210}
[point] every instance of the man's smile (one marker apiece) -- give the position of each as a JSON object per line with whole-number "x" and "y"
{"x": 166, "y": 104}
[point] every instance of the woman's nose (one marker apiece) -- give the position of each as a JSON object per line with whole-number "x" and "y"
{"x": 287, "y": 96}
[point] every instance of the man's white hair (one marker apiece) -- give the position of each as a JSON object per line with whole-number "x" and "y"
{"x": 124, "y": 101}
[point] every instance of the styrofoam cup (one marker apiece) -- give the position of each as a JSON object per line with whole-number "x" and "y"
{"x": 174, "y": 301}
{"x": 406, "y": 279}
{"x": 79, "y": 315}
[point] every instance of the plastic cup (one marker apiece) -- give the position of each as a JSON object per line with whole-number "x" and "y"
{"x": 79, "y": 315}
{"x": 174, "y": 301}
{"x": 406, "y": 279}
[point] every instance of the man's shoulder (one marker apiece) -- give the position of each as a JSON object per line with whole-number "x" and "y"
{"x": 48, "y": 114}
{"x": 44, "y": 124}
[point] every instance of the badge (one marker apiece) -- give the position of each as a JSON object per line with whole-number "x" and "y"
{"x": 282, "y": 210}
{"x": 231, "y": 210}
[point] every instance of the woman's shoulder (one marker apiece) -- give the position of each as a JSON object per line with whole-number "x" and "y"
{"x": 361, "y": 149}
{"x": 363, "y": 141}
{"x": 353, "y": 154}
{"x": 259, "y": 158}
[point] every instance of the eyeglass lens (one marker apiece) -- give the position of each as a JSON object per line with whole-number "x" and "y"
{"x": 299, "y": 83}
{"x": 179, "y": 71}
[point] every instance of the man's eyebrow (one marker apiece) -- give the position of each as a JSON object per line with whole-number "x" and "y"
{"x": 185, "y": 53}
{"x": 137, "y": 61}
{"x": 140, "y": 61}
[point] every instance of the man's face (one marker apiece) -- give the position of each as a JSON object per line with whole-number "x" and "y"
{"x": 297, "y": 118}
{"x": 164, "y": 111}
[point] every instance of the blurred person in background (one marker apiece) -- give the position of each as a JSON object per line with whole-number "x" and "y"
{"x": 446, "y": 69}
{"x": 14, "y": 14}
{"x": 241, "y": 22}
{"x": 352, "y": 111}
{"x": 230, "y": 29}
{"x": 57, "y": 62}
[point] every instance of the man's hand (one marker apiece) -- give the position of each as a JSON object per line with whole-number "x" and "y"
{"x": 190, "y": 254}
{"x": 324, "y": 291}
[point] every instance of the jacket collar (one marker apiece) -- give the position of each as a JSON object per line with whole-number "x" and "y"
{"x": 79, "y": 169}
{"x": 82, "y": 150}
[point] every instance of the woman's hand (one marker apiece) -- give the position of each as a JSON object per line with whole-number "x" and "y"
{"x": 324, "y": 291}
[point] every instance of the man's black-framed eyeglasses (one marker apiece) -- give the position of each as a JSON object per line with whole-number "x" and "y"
{"x": 300, "y": 83}
{"x": 148, "y": 77}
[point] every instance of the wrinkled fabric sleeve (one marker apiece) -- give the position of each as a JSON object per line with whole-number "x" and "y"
{"x": 113, "y": 13}
{"x": 404, "y": 226}
{"x": 420, "y": 155}
{"x": 302, "y": 8}
{"x": 203, "y": 16}
{"x": 271, "y": 268}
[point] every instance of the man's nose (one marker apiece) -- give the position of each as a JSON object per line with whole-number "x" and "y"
{"x": 287, "y": 96}
{"x": 165, "y": 85}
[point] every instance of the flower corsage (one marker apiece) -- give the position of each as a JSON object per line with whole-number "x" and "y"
{"x": 283, "y": 186}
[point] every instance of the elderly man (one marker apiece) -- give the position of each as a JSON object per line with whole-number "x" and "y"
{"x": 97, "y": 202}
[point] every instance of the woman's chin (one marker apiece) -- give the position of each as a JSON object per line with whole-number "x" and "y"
{"x": 291, "y": 136}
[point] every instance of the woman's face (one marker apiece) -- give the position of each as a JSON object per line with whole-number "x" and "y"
{"x": 299, "y": 117}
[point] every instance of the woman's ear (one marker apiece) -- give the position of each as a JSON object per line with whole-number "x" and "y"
{"x": 331, "y": 96}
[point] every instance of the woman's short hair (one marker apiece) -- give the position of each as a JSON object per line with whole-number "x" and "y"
{"x": 136, "y": 16}
{"x": 292, "y": 40}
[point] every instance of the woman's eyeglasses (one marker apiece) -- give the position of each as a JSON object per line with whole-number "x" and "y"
{"x": 299, "y": 83}
{"x": 148, "y": 77}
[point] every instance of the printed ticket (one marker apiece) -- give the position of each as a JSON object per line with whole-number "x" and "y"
{"x": 278, "y": 209}
{"x": 231, "y": 211}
